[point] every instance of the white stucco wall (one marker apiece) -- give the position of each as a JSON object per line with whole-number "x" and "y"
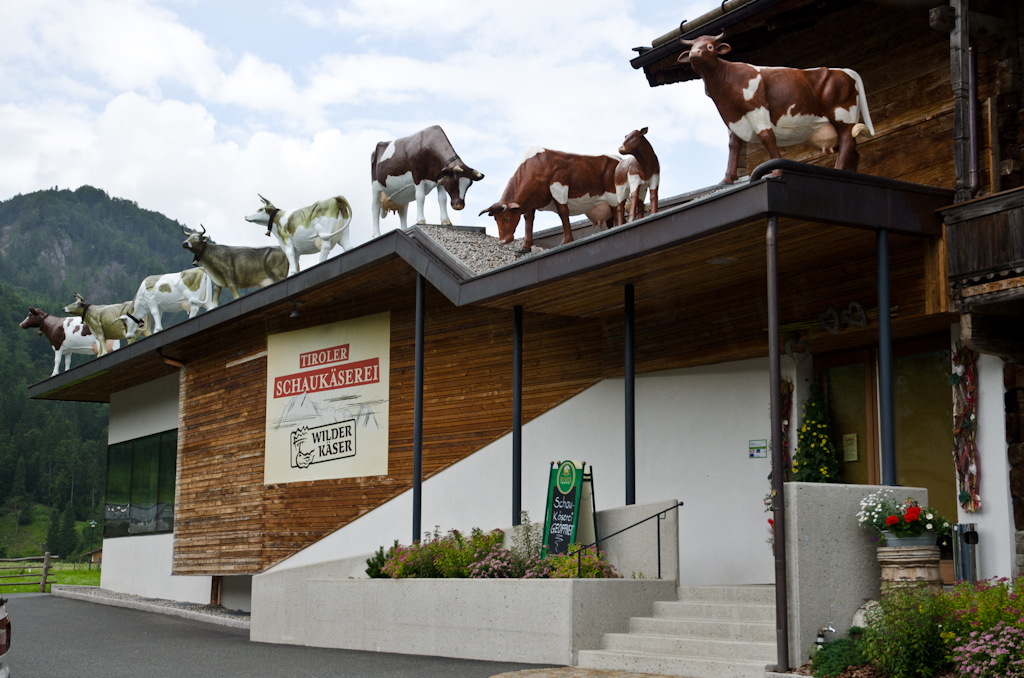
{"x": 141, "y": 565}
{"x": 693, "y": 428}
{"x": 143, "y": 410}
{"x": 996, "y": 556}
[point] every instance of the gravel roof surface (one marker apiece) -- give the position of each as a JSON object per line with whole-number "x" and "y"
{"x": 479, "y": 252}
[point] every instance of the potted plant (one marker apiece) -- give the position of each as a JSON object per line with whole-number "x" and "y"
{"x": 904, "y": 523}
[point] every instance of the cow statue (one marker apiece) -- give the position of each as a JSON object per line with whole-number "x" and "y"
{"x": 108, "y": 321}
{"x": 554, "y": 181}
{"x": 317, "y": 228}
{"x": 235, "y": 267}
{"x": 188, "y": 291}
{"x": 778, "y": 106}
{"x": 66, "y": 336}
{"x": 409, "y": 168}
{"x": 638, "y": 172}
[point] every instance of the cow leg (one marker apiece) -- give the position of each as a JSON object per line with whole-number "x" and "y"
{"x": 563, "y": 212}
{"x": 56, "y": 362}
{"x": 401, "y": 216}
{"x": 375, "y": 210}
{"x": 233, "y": 290}
{"x": 528, "y": 241}
{"x": 634, "y": 201}
{"x": 620, "y": 214}
{"x": 735, "y": 146}
{"x": 848, "y": 155}
{"x": 767, "y": 138}
{"x": 442, "y": 201}
{"x": 101, "y": 338}
{"x": 654, "y": 201}
{"x": 421, "y": 195}
{"x": 293, "y": 260}
{"x": 155, "y": 317}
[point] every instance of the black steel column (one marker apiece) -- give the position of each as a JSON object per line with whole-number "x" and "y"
{"x": 517, "y": 414}
{"x": 778, "y": 476}
{"x": 417, "y": 431}
{"x": 885, "y": 392}
{"x": 630, "y": 373}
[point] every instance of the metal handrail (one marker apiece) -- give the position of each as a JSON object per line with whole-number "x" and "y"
{"x": 659, "y": 515}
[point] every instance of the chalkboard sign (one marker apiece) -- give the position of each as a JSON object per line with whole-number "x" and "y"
{"x": 564, "y": 505}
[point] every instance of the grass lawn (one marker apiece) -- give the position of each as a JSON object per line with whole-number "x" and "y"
{"x": 59, "y": 574}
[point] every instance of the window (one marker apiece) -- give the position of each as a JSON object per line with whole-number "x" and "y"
{"x": 140, "y": 485}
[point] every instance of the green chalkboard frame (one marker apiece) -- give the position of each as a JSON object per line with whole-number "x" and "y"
{"x": 577, "y": 491}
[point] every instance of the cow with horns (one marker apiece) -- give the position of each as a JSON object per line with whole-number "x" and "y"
{"x": 66, "y": 336}
{"x": 310, "y": 230}
{"x": 409, "y": 168}
{"x": 235, "y": 267}
{"x": 779, "y": 106}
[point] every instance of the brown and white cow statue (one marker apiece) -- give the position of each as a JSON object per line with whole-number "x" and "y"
{"x": 779, "y": 106}
{"x": 409, "y": 168}
{"x": 638, "y": 172}
{"x": 66, "y": 336}
{"x": 554, "y": 181}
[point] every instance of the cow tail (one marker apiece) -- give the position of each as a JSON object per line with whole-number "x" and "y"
{"x": 862, "y": 99}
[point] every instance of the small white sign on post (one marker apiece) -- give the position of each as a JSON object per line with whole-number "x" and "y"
{"x": 758, "y": 449}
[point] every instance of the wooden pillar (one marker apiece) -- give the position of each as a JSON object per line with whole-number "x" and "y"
{"x": 417, "y": 434}
{"x": 517, "y": 414}
{"x": 960, "y": 76}
{"x": 778, "y": 475}
{"x": 630, "y": 373}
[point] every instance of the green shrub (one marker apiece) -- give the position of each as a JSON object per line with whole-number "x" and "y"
{"x": 585, "y": 565}
{"x": 903, "y": 638}
{"x": 835, "y": 657}
{"x": 978, "y": 607}
{"x": 375, "y": 564}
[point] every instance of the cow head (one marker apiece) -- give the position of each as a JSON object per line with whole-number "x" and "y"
{"x": 34, "y": 319}
{"x": 195, "y": 243}
{"x": 78, "y": 307}
{"x": 265, "y": 215}
{"x": 507, "y": 215}
{"x": 703, "y": 52}
{"x": 456, "y": 178}
{"x": 633, "y": 141}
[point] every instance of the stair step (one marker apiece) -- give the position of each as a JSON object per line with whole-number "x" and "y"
{"x": 763, "y": 594}
{"x": 689, "y": 647}
{"x": 750, "y": 631}
{"x": 745, "y": 612}
{"x": 671, "y": 665}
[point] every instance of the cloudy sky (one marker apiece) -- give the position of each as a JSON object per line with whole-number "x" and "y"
{"x": 190, "y": 108}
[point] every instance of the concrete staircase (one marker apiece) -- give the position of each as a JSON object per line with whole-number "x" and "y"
{"x": 711, "y": 632}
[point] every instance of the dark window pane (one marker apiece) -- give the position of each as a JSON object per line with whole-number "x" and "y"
{"x": 145, "y": 472}
{"x": 118, "y": 490}
{"x": 165, "y": 486}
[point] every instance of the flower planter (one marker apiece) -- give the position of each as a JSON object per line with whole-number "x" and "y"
{"x": 926, "y": 538}
{"x": 903, "y": 565}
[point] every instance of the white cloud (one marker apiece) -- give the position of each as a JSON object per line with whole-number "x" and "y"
{"x": 128, "y": 98}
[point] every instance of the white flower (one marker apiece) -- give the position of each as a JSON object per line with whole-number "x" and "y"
{"x": 928, "y": 526}
{"x": 929, "y": 517}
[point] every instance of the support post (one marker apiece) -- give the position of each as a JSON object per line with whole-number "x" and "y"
{"x": 886, "y": 414}
{"x": 778, "y": 474}
{"x": 417, "y": 431}
{"x": 517, "y": 414}
{"x": 630, "y": 373}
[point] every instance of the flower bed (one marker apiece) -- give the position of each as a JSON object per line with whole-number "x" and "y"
{"x": 881, "y": 512}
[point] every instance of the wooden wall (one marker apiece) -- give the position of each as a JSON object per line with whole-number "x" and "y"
{"x": 228, "y": 522}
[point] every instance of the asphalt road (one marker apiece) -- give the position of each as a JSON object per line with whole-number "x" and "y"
{"x": 57, "y": 637}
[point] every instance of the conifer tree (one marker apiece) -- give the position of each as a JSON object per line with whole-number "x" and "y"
{"x": 815, "y": 460}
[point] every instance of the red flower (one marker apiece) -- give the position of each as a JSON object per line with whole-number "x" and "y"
{"x": 892, "y": 520}
{"x": 912, "y": 514}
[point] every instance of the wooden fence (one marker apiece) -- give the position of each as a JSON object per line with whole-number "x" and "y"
{"x": 43, "y": 573}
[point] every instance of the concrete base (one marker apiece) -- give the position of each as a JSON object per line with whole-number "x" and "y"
{"x": 519, "y": 620}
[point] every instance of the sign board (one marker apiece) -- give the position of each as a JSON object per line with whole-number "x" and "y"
{"x": 570, "y": 493}
{"x": 327, "y": 401}
{"x": 850, "y": 447}
{"x": 758, "y": 449}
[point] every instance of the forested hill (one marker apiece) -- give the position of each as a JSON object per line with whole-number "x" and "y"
{"x": 54, "y": 243}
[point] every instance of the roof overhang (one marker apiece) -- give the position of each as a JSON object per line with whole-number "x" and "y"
{"x": 803, "y": 192}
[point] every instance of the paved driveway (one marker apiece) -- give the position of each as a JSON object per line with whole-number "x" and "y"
{"x": 57, "y": 637}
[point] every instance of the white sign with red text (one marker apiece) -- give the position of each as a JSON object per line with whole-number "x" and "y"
{"x": 327, "y": 401}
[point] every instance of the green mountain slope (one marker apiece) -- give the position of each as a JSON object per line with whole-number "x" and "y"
{"x": 53, "y": 244}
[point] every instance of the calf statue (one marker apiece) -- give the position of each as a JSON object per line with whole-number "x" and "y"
{"x": 66, "y": 336}
{"x": 108, "y": 321}
{"x": 409, "y": 168}
{"x": 554, "y": 181}
{"x": 779, "y": 106}
{"x": 316, "y": 228}
{"x": 235, "y": 267}
{"x": 185, "y": 291}
{"x": 638, "y": 171}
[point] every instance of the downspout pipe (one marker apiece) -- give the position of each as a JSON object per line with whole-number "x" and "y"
{"x": 973, "y": 175}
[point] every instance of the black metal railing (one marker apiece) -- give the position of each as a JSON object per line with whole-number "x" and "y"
{"x": 660, "y": 515}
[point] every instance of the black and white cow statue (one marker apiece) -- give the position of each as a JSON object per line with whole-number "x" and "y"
{"x": 409, "y": 168}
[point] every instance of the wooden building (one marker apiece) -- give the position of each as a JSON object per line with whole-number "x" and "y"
{"x": 644, "y": 350}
